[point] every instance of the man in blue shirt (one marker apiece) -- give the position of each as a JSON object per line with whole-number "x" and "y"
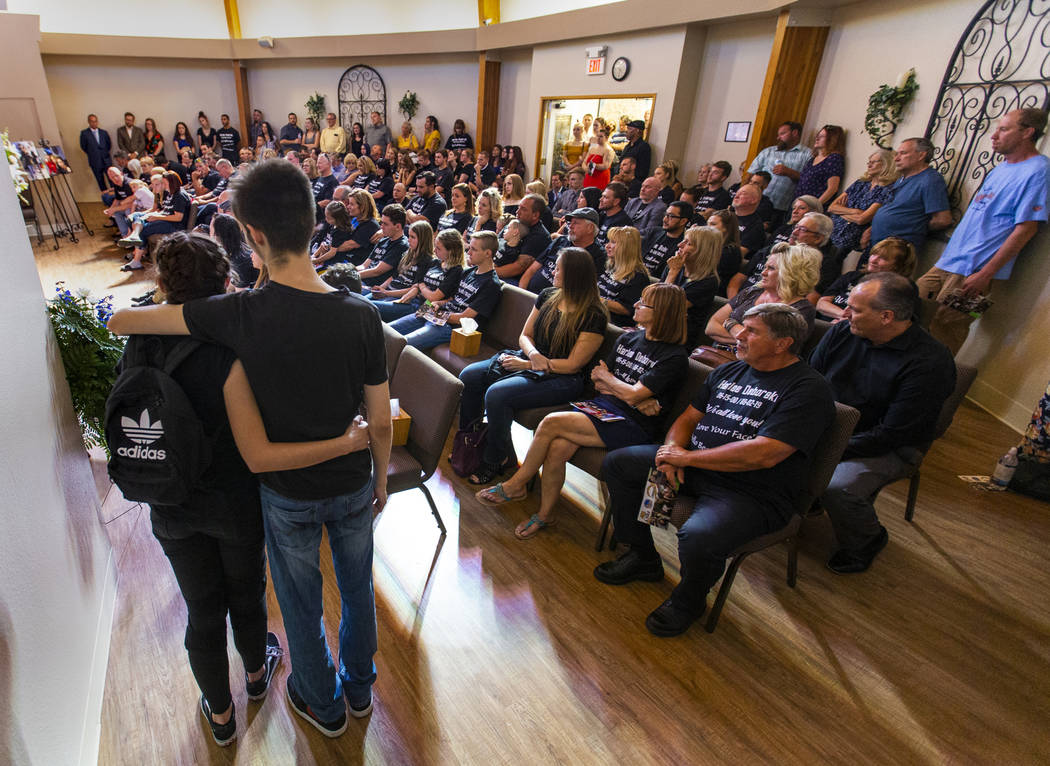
{"x": 918, "y": 199}
{"x": 1004, "y": 214}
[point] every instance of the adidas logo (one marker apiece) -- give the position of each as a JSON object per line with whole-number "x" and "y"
{"x": 142, "y": 432}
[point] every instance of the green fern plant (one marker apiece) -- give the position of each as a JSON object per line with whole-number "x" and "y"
{"x": 885, "y": 107}
{"x": 408, "y": 105}
{"x": 315, "y": 108}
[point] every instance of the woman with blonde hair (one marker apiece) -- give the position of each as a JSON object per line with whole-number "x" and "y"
{"x": 407, "y": 141}
{"x": 620, "y": 285}
{"x": 694, "y": 268}
{"x": 637, "y": 383}
{"x": 791, "y": 272}
{"x": 364, "y": 223}
{"x": 490, "y": 210}
{"x": 851, "y": 212}
{"x": 891, "y": 254}
{"x": 366, "y": 171}
{"x": 729, "y": 264}
{"x": 572, "y": 150}
{"x": 437, "y": 284}
{"x": 310, "y": 168}
{"x": 416, "y": 261}
{"x": 513, "y": 193}
{"x": 667, "y": 174}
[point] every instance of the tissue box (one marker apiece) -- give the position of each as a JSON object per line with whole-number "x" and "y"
{"x": 402, "y": 423}
{"x": 465, "y": 343}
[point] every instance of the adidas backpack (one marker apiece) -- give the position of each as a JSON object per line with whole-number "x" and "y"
{"x": 157, "y": 444}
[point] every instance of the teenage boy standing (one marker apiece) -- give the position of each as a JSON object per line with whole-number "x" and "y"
{"x": 273, "y": 331}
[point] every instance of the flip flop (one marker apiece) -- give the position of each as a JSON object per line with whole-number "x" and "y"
{"x": 534, "y": 526}
{"x": 494, "y": 496}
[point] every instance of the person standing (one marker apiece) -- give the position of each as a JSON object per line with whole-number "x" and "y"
{"x": 130, "y": 138}
{"x": 637, "y": 148}
{"x": 1003, "y": 216}
{"x": 333, "y": 137}
{"x": 229, "y": 139}
{"x": 291, "y": 138}
{"x": 378, "y": 133}
{"x": 784, "y": 162}
{"x": 96, "y": 144}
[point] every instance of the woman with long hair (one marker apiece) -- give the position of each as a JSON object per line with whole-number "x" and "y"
{"x": 182, "y": 139}
{"x": 515, "y": 163}
{"x": 670, "y": 187}
{"x": 851, "y": 212}
{"x": 332, "y": 242}
{"x": 791, "y": 272}
{"x": 170, "y": 217}
{"x": 513, "y": 193}
{"x": 572, "y": 149}
{"x": 597, "y": 161}
{"x": 461, "y": 213}
{"x": 310, "y": 168}
{"x": 694, "y": 268}
{"x": 620, "y": 285}
{"x": 311, "y": 140}
{"x": 154, "y": 141}
{"x": 891, "y": 254}
{"x": 364, "y": 223}
{"x": 557, "y": 346}
{"x": 821, "y": 176}
{"x": 490, "y": 210}
{"x": 438, "y": 284}
{"x": 366, "y": 172}
{"x": 414, "y": 264}
{"x": 725, "y": 221}
{"x": 431, "y": 134}
{"x": 636, "y": 384}
{"x": 357, "y": 139}
{"x": 406, "y": 170}
{"x": 225, "y": 230}
{"x": 206, "y": 134}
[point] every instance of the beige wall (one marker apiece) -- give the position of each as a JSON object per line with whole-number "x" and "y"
{"x": 167, "y": 91}
{"x": 308, "y": 18}
{"x": 515, "y": 10}
{"x": 728, "y": 88}
{"x": 514, "y": 90}
{"x": 1009, "y": 345}
{"x": 201, "y": 18}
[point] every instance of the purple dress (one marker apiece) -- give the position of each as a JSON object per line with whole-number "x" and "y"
{"x": 813, "y": 179}
{"x": 860, "y": 196}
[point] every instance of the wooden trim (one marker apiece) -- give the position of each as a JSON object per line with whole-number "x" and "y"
{"x": 488, "y": 103}
{"x": 240, "y": 79}
{"x": 488, "y": 9}
{"x": 233, "y": 19}
{"x": 457, "y": 41}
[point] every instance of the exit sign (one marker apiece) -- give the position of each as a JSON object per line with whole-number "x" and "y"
{"x": 596, "y": 65}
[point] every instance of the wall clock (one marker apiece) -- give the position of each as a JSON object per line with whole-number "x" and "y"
{"x": 620, "y": 69}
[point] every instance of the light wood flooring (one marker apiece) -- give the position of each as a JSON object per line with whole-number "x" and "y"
{"x": 495, "y": 651}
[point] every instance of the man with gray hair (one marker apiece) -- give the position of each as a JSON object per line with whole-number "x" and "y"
{"x": 890, "y": 369}
{"x": 208, "y": 204}
{"x": 918, "y": 199}
{"x": 742, "y": 448}
{"x": 814, "y": 229}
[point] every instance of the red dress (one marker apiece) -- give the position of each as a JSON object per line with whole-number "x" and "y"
{"x": 598, "y": 179}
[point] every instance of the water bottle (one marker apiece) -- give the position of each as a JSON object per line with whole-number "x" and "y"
{"x": 1004, "y": 469}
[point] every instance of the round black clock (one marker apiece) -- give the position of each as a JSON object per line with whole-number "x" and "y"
{"x": 620, "y": 69}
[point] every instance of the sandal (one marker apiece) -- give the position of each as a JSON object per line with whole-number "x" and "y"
{"x": 486, "y": 473}
{"x": 533, "y": 527}
{"x": 495, "y": 495}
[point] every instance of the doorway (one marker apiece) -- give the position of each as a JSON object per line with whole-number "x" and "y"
{"x": 559, "y": 115}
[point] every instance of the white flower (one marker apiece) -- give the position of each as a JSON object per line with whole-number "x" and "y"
{"x": 903, "y": 79}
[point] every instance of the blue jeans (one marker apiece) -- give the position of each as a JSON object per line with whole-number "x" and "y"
{"x": 293, "y": 540}
{"x": 389, "y": 311}
{"x": 500, "y": 400}
{"x": 420, "y": 334}
{"x": 121, "y": 219}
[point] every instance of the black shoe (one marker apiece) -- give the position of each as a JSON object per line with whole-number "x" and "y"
{"x": 488, "y": 473}
{"x": 257, "y": 689}
{"x": 670, "y": 619}
{"x": 111, "y": 225}
{"x": 628, "y": 568}
{"x": 358, "y": 710}
{"x": 851, "y": 562}
{"x": 222, "y": 733}
{"x": 328, "y": 728}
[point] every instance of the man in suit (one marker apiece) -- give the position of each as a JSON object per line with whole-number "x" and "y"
{"x": 95, "y": 143}
{"x": 130, "y": 138}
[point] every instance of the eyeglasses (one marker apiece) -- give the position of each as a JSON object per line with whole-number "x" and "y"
{"x": 672, "y": 215}
{"x": 808, "y": 231}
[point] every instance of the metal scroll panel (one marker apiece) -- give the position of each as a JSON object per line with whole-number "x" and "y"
{"x": 1001, "y": 63}
{"x": 361, "y": 92}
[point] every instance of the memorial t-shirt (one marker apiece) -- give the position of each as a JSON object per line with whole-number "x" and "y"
{"x": 752, "y": 232}
{"x": 657, "y": 247}
{"x": 543, "y": 334}
{"x": 389, "y": 251}
{"x": 431, "y": 208}
{"x": 719, "y": 199}
{"x": 362, "y": 235}
{"x": 438, "y": 278}
{"x": 626, "y": 293}
{"x": 413, "y": 275}
{"x": 793, "y": 405}
{"x": 454, "y": 220}
{"x": 478, "y": 291}
{"x": 656, "y": 365}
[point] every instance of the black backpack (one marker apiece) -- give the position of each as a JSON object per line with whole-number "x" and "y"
{"x": 157, "y": 443}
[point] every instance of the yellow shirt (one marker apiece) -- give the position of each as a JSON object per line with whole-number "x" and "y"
{"x": 333, "y": 140}
{"x": 409, "y": 144}
{"x": 432, "y": 141}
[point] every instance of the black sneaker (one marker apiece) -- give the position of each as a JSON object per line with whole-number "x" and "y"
{"x": 361, "y": 711}
{"x": 854, "y": 561}
{"x": 628, "y": 568}
{"x": 257, "y": 689}
{"x": 328, "y": 728}
{"x": 222, "y": 733}
{"x": 671, "y": 619}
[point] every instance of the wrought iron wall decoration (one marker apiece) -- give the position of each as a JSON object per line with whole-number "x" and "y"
{"x": 1001, "y": 63}
{"x": 361, "y": 92}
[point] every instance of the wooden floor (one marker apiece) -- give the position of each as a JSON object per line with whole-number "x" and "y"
{"x": 495, "y": 651}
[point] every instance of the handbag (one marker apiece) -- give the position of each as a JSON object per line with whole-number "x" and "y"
{"x": 468, "y": 445}
{"x": 1032, "y": 478}
{"x": 713, "y": 356}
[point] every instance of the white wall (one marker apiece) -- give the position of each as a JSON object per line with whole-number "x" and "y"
{"x": 447, "y": 87}
{"x": 56, "y": 571}
{"x": 515, "y": 82}
{"x": 871, "y": 44}
{"x": 167, "y": 91}
{"x": 515, "y": 10}
{"x": 314, "y": 18}
{"x": 200, "y": 18}
{"x": 734, "y": 66}
{"x": 560, "y": 70}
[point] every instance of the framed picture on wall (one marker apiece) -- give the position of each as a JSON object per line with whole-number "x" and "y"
{"x": 738, "y": 132}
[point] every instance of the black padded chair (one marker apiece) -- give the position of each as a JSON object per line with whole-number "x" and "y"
{"x": 502, "y": 332}
{"x": 964, "y": 377}
{"x": 826, "y": 456}
{"x": 395, "y": 343}
{"x": 430, "y": 394}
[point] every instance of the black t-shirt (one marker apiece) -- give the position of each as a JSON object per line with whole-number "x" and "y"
{"x": 626, "y": 293}
{"x": 545, "y": 276}
{"x": 656, "y": 365}
{"x": 488, "y": 175}
{"x": 728, "y": 266}
{"x": 609, "y": 221}
{"x": 719, "y": 199}
{"x": 438, "y": 278}
{"x": 839, "y": 290}
{"x": 274, "y": 332}
{"x": 782, "y": 234}
{"x": 543, "y": 334}
{"x": 413, "y": 275}
{"x": 489, "y": 225}
{"x": 536, "y": 241}
{"x": 667, "y": 195}
{"x": 388, "y": 251}
{"x": 432, "y": 208}
{"x": 700, "y": 294}
{"x": 123, "y": 191}
{"x": 209, "y": 139}
{"x": 458, "y": 142}
{"x": 752, "y": 233}
{"x": 752, "y": 270}
{"x": 507, "y": 254}
{"x": 243, "y": 270}
{"x": 765, "y": 209}
{"x": 793, "y": 405}
{"x": 657, "y": 247}
{"x": 362, "y": 235}
{"x": 211, "y": 180}
{"x": 182, "y": 171}
{"x": 362, "y": 181}
{"x": 179, "y": 202}
{"x": 454, "y": 220}
{"x": 480, "y": 292}
{"x": 221, "y": 186}
{"x": 384, "y": 185}
{"x": 324, "y": 187}
{"x": 642, "y": 153}
{"x": 443, "y": 178}
{"x": 465, "y": 172}
{"x": 229, "y": 139}
{"x": 335, "y": 238}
